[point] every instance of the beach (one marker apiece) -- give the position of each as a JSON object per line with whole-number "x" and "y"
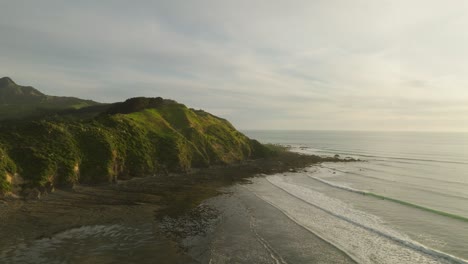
{"x": 69, "y": 226}
{"x": 292, "y": 208}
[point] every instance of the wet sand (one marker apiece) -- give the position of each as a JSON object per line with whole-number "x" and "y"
{"x": 249, "y": 230}
{"x": 133, "y": 203}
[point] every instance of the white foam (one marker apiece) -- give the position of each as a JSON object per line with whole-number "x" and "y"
{"x": 364, "y": 237}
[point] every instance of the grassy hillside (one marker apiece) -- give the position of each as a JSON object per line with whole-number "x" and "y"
{"x": 139, "y": 137}
{"x": 18, "y": 101}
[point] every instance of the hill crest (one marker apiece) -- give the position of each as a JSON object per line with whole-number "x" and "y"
{"x": 17, "y": 101}
{"x": 136, "y": 138}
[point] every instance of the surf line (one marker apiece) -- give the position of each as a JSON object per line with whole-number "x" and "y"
{"x": 334, "y": 151}
{"x": 400, "y": 175}
{"x": 408, "y": 243}
{"x": 292, "y": 218}
{"x": 378, "y": 196}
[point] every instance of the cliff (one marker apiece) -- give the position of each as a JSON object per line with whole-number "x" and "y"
{"x": 136, "y": 138}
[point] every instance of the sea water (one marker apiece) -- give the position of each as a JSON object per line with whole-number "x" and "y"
{"x": 405, "y": 202}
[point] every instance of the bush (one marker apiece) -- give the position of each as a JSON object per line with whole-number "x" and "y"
{"x": 139, "y": 137}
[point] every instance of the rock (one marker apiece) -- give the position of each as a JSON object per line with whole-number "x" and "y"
{"x": 8, "y": 196}
{"x": 31, "y": 194}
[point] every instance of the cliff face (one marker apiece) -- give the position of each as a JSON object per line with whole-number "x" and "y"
{"x": 136, "y": 138}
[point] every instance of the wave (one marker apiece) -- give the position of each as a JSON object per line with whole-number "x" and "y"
{"x": 410, "y": 175}
{"x": 401, "y": 175}
{"x": 400, "y": 159}
{"x": 295, "y": 220}
{"x": 401, "y": 240}
{"x": 427, "y": 209}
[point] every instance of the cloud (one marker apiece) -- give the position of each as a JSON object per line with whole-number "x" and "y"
{"x": 262, "y": 64}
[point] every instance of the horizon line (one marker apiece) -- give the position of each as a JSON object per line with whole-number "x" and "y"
{"x": 353, "y": 130}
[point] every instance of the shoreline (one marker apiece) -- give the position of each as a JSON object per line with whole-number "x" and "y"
{"x": 131, "y": 202}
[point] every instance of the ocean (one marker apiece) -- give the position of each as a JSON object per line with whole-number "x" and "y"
{"x": 406, "y": 201}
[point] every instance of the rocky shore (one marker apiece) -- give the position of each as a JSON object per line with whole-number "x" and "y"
{"x": 134, "y": 202}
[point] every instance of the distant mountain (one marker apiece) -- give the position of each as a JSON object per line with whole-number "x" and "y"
{"x": 18, "y": 101}
{"x": 11, "y": 93}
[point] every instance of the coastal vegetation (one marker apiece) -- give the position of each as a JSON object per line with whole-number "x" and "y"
{"x": 17, "y": 101}
{"x": 136, "y": 138}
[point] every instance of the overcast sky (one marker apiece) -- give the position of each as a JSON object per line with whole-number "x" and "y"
{"x": 335, "y": 65}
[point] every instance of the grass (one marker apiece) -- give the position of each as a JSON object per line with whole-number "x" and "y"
{"x": 18, "y": 101}
{"x": 7, "y": 166}
{"x": 141, "y": 137}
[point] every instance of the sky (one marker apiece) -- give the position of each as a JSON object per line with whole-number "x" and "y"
{"x": 299, "y": 65}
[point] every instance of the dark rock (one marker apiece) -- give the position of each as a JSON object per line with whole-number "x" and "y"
{"x": 31, "y": 194}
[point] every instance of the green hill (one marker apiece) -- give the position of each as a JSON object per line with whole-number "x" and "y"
{"x": 18, "y": 101}
{"x": 135, "y": 138}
